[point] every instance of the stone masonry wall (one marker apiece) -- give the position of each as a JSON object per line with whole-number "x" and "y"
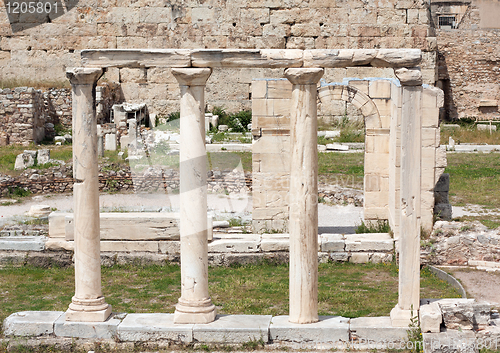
{"x": 469, "y": 68}
{"x": 21, "y": 115}
{"x": 44, "y": 52}
{"x": 380, "y": 103}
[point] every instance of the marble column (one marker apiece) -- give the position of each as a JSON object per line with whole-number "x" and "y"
{"x": 88, "y": 304}
{"x": 409, "y": 240}
{"x": 195, "y": 305}
{"x": 303, "y": 223}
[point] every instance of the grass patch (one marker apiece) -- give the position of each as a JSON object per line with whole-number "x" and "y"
{"x": 9, "y": 153}
{"x": 473, "y": 177}
{"x": 225, "y": 160}
{"x": 343, "y": 169}
{"x": 344, "y": 289}
{"x": 14, "y": 82}
{"x": 470, "y": 134}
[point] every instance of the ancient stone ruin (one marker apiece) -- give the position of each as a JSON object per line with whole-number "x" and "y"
{"x": 192, "y": 68}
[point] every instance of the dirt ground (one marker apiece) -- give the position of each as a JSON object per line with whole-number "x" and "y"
{"x": 479, "y": 284}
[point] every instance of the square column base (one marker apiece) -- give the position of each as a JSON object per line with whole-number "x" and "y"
{"x": 81, "y": 316}
{"x": 181, "y": 317}
{"x": 401, "y": 317}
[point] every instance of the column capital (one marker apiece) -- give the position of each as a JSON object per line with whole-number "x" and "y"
{"x": 191, "y": 76}
{"x": 409, "y": 76}
{"x": 307, "y": 76}
{"x": 83, "y": 75}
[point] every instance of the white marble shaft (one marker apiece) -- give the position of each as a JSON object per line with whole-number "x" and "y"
{"x": 409, "y": 241}
{"x": 195, "y": 305}
{"x": 303, "y": 222}
{"x": 88, "y": 304}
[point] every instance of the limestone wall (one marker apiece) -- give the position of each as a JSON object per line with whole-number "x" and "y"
{"x": 379, "y": 102}
{"x": 43, "y": 52}
{"x": 469, "y": 64}
{"x": 21, "y": 115}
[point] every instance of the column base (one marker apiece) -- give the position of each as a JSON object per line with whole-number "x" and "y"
{"x": 401, "y": 317}
{"x": 195, "y": 314}
{"x": 96, "y": 316}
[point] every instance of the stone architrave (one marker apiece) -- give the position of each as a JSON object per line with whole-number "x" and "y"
{"x": 195, "y": 305}
{"x": 303, "y": 222}
{"x": 88, "y": 303}
{"x": 409, "y": 241}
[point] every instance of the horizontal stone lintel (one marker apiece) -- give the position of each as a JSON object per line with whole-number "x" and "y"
{"x": 251, "y": 58}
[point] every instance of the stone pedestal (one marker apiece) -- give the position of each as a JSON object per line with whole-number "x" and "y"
{"x": 409, "y": 241}
{"x": 303, "y": 224}
{"x": 88, "y": 304}
{"x": 195, "y": 305}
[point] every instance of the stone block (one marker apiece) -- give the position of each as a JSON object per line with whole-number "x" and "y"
{"x": 332, "y": 242}
{"x": 23, "y": 243}
{"x": 110, "y": 142}
{"x": 102, "y": 330}
{"x": 243, "y": 244}
{"x": 136, "y": 75}
{"x": 234, "y": 329}
{"x": 279, "y": 89}
{"x": 430, "y": 117}
{"x": 31, "y": 323}
{"x": 430, "y": 317}
{"x": 450, "y": 341}
{"x": 376, "y": 163}
{"x": 380, "y": 89}
{"x": 259, "y": 89}
{"x": 359, "y": 258}
{"x": 57, "y": 224}
{"x": 429, "y": 140}
{"x": 23, "y": 161}
{"x": 272, "y": 144}
{"x": 275, "y": 242}
{"x": 43, "y": 156}
{"x": 360, "y": 85}
{"x": 369, "y": 242}
{"x": 458, "y": 313}
{"x": 169, "y": 247}
{"x": 129, "y": 246}
{"x": 376, "y": 329}
{"x": 327, "y": 329}
{"x": 339, "y": 257}
{"x": 152, "y": 327}
{"x": 441, "y": 160}
{"x": 380, "y": 258}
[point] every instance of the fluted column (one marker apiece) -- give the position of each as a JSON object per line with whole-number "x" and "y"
{"x": 409, "y": 240}
{"x": 303, "y": 224}
{"x": 88, "y": 304}
{"x": 195, "y": 305}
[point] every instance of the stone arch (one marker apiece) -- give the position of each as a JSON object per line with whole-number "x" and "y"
{"x": 376, "y": 158}
{"x": 352, "y": 95}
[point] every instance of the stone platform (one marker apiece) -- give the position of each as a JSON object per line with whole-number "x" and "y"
{"x": 226, "y": 329}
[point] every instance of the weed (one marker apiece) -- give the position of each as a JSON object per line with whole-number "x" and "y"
{"x": 173, "y": 116}
{"x": 414, "y": 334}
{"x": 253, "y": 344}
{"x": 381, "y": 226}
{"x": 17, "y": 192}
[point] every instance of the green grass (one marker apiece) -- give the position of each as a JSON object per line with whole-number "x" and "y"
{"x": 344, "y": 169}
{"x": 9, "y": 153}
{"x": 470, "y": 134}
{"x": 473, "y": 177}
{"x": 344, "y": 289}
{"x": 226, "y": 160}
{"x": 381, "y": 226}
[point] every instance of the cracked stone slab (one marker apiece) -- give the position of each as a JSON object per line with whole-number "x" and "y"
{"x": 31, "y": 323}
{"x": 332, "y": 242}
{"x": 150, "y": 327}
{"x": 378, "y": 329}
{"x": 327, "y": 329}
{"x": 234, "y": 329}
{"x": 78, "y": 329}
